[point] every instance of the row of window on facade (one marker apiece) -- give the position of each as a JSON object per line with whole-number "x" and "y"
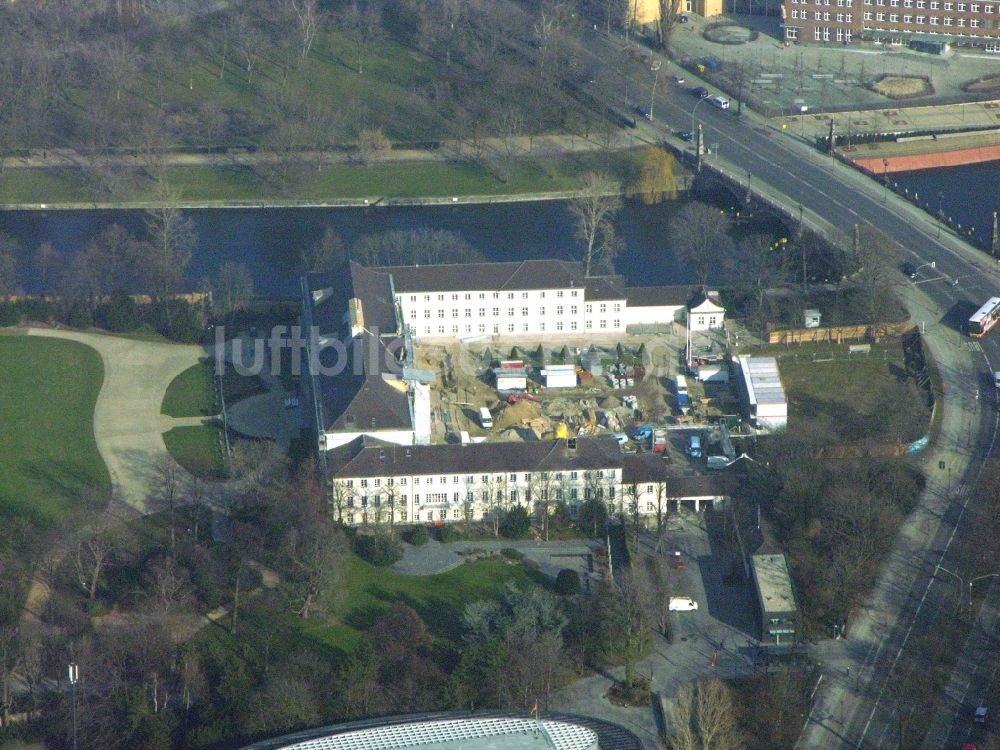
{"x": 892, "y": 18}
{"x": 525, "y": 311}
{"x": 471, "y": 479}
{"x": 514, "y": 496}
{"x": 821, "y": 34}
{"x": 512, "y": 328}
{"x": 495, "y": 295}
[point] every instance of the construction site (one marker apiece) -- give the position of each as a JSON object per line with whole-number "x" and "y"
{"x": 639, "y": 390}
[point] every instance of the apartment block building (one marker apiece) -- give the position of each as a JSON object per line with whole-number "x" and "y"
{"x": 378, "y": 482}
{"x": 532, "y": 297}
{"x": 925, "y": 24}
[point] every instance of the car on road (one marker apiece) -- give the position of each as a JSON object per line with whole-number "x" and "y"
{"x": 699, "y": 92}
{"x": 685, "y": 135}
{"x": 682, "y": 604}
{"x": 909, "y": 270}
{"x": 720, "y": 101}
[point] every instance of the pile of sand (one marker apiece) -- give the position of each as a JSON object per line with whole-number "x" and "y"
{"x": 515, "y": 415}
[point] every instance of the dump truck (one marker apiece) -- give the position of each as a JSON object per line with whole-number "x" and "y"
{"x": 659, "y": 440}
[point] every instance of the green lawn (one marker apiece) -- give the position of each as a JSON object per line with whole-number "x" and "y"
{"x": 342, "y": 181}
{"x": 197, "y": 449}
{"x": 191, "y": 394}
{"x": 49, "y": 456}
{"x": 866, "y": 397}
{"x": 440, "y": 599}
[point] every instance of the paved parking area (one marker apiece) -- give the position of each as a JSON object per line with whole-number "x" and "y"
{"x": 829, "y": 76}
{"x": 721, "y": 627}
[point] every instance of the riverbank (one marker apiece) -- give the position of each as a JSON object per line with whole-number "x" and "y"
{"x": 550, "y": 170}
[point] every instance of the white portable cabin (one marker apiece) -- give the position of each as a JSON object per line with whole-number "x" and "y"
{"x": 763, "y": 392}
{"x": 717, "y": 372}
{"x": 511, "y": 375}
{"x": 560, "y": 376}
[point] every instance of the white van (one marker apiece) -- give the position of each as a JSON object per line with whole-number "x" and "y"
{"x": 485, "y": 418}
{"x": 694, "y": 447}
{"x": 682, "y": 604}
{"x": 721, "y": 102}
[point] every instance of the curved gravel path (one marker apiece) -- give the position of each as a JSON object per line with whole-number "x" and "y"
{"x": 127, "y": 420}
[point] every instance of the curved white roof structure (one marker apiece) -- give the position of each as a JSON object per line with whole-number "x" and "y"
{"x": 498, "y": 733}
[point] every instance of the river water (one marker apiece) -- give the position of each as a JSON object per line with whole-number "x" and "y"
{"x": 967, "y": 195}
{"x": 266, "y": 240}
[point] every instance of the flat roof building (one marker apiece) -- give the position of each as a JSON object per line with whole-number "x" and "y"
{"x": 763, "y": 393}
{"x": 779, "y": 613}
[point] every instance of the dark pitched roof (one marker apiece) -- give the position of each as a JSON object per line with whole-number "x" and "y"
{"x": 369, "y": 457}
{"x": 455, "y": 277}
{"x": 605, "y": 288}
{"x": 644, "y": 468}
{"x": 371, "y": 286}
{"x": 358, "y": 397}
{"x": 654, "y": 296}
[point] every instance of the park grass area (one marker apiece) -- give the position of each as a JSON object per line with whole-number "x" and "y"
{"x": 858, "y": 398}
{"x": 191, "y": 394}
{"x": 229, "y": 184}
{"x": 49, "y": 454}
{"x": 439, "y": 599}
{"x": 198, "y": 449}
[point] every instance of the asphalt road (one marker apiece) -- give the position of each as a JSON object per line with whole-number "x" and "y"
{"x": 831, "y": 196}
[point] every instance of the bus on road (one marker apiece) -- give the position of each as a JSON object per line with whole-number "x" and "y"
{"x": 985, "y": 318}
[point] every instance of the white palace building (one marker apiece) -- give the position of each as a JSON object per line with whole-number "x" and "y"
{"x": 373, "y": 417}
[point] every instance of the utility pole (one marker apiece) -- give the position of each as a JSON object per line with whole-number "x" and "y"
{"x": 833, "y": 139}
{"x": 995, "y": 244}
{"x": 74, "y": 676}
{"x": 652, "y": 94}
{"x": 699, "y": 147}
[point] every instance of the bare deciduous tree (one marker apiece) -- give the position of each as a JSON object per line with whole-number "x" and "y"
{"x": 362, "y": 23}
{"x": 599, "y": 199}
{"x": 698, "y": 234}
{"x": 372, "y": 145}
{"x": 307, "y": 15}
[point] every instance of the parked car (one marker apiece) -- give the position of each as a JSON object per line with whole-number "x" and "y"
{"x": 909, "y": 269}
{"x": 678, "y": 80}
{"x": 982, "y": 715}
{"x": 699, "y": 92}
{"x": 678, "y": 560}
{"x": 686, "y": 135}
{"x": 621, "y": 437}
{"x": 720, "y": 101}
{"x": 682, "y": 604}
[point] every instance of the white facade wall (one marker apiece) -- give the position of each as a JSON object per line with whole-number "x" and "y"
{"x": 706, "y": 316}
{"x": 334, "y": 439}
{"x": 654, "y": 314}
{"x": 509, "y": 313}
{"x": 653, "y": 495}
{"x": 456, "y": 497}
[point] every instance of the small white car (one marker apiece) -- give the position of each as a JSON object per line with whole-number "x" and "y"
{"x": 682, "y": 604}
{"x": 721, "y": 102}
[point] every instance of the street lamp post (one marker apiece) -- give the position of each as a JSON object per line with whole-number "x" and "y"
{"x": 693, "y": 110}
{"x": 652, "y": 93}
{"x": 74, "y": 676}
{"x": 885, "y": 180}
